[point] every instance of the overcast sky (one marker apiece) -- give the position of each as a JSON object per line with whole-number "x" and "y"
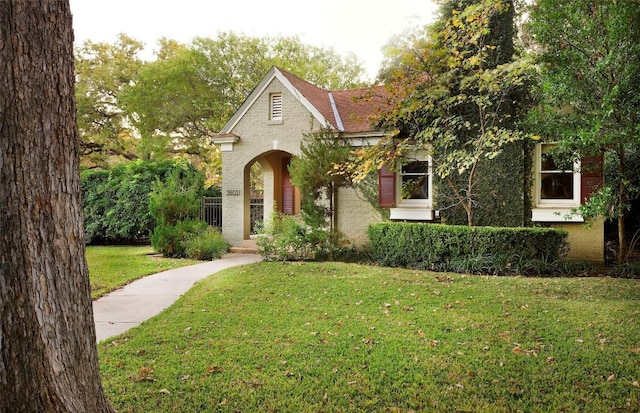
{"x": 361, "y": 27}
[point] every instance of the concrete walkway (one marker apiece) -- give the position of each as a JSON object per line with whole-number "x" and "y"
{"x": 134, "y": 303}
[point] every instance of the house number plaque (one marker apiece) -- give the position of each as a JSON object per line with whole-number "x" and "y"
{"x": 233, "y": 192}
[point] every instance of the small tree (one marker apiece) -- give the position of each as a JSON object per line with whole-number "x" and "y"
{"x": 174, "y": 204}
{"x": 314, "y": 174}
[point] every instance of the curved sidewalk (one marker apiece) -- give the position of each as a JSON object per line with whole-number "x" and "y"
{"x": 140, "y": 300}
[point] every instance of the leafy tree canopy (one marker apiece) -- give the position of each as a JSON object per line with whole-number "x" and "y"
{"x": 458, "y": 93}
{"x": 175, "y": 104}
{"x": 102, "y": 71}
{"x": 588, "y": 53}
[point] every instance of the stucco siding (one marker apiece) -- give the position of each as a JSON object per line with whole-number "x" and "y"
{"x": 586, "y": 243}
{"x": 354, "y": 216}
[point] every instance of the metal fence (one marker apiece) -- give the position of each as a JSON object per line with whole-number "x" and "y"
{"x": 211, "y": 212}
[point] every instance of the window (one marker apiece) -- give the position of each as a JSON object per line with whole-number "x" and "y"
{"x": 414, "y": 181}
{"x": 407, "y": 191}
{"x": 557, "y": 187}
{"x": 558, "y": 182}
{"x": 275, "y": 109}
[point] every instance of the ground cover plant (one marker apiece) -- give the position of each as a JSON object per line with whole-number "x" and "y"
{"x": 311, "y": 337}
{"x": 111, "y": 267}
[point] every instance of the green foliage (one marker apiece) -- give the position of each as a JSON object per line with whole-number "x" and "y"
{"x": 177, "y": 198}
{"x": 174, "y": 203}
{"x": 103, "y": 71}
{"x": 497, "y": 204}
{"x": 286, "y": 238}
{"x": 172, "y": 240}
{"x": 589, "y": 79}
{"x": 459, "y": 94}
{"x": 116, "y": 201}
{"x": 315, "y": 175}
{"x": 206, "y": 245}
{"x": 477, "y": 249}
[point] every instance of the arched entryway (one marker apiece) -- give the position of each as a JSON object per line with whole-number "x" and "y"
{"x": 267, "y": 176}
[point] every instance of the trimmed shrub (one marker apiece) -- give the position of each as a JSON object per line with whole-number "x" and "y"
{"x": 462, "y": 248}
{"x": 206, "y": 245}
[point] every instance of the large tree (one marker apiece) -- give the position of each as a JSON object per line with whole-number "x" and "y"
{"x": 183, "y": 98}
{"x": 103, "y": 70}
{"x": 48, "y": 357}
{"x": 590, "y": 77}
{"x": 457, "y": 93}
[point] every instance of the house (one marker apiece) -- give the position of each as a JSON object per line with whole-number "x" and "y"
{"x": 268, "y": 129}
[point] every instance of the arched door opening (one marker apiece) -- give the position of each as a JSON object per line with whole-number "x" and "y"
{"x": 268, "y": 189}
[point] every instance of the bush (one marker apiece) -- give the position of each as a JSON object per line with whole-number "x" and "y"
{"x": 288, "y": 238}
{"x": 171, "y": 240}
{"x": 206, "y": 245}
{"x": 116, "y": 201}
{"x": 285, "y": 238}
{"x": 493, "y": 250}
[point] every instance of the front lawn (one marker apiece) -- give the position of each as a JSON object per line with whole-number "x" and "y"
{"x": 111, "y": 267}
{"x": 342, "y": 337}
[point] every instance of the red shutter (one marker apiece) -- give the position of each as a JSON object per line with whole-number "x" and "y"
{"x": 386, "y": 187}
{"x": 590, "y": 175}
{"x": 288, "y": 190}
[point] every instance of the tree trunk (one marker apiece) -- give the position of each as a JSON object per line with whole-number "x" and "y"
{"x": 48, "y": 357}
{"x": 622, "y": 201}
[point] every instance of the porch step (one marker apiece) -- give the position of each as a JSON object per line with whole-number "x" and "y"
{"x": 248, "y": 247}
{"x": 243, "y": 250}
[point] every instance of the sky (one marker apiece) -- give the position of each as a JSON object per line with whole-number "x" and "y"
{"x": 361, "y": 27}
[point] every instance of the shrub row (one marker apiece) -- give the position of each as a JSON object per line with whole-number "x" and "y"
{"x": 471, "y": 249}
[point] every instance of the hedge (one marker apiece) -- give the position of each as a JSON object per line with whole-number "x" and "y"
{"x": 433, "y": 246}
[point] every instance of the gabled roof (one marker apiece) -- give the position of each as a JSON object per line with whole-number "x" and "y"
{"x": 340, "y": 110}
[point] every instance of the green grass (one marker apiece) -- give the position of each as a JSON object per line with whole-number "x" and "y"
{"x": 111, "y": 267}
{"x": 275, "y": 337}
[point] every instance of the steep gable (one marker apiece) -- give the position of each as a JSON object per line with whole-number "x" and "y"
{"x": 346, "y": 111}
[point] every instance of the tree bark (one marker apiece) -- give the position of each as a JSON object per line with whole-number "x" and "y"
{"x": 623, "y": 247}
{"x": 48, "y": 357}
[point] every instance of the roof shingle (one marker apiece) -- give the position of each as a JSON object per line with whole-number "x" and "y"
{"x": 354, "y": 107}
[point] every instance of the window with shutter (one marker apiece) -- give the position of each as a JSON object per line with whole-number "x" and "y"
{"x": 407, "y": 192}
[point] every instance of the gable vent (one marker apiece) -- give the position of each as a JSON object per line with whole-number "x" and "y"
{"x": 276, "y": 106}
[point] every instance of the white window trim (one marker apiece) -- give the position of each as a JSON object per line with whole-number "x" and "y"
{"x": 555, "y": 210}
{"x": 275, "y": 108}
{"x": 414, "y": 209}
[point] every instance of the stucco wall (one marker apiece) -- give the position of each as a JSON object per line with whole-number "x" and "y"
{"x": 354, "y": 216}
{"x": 586, "y": 242}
